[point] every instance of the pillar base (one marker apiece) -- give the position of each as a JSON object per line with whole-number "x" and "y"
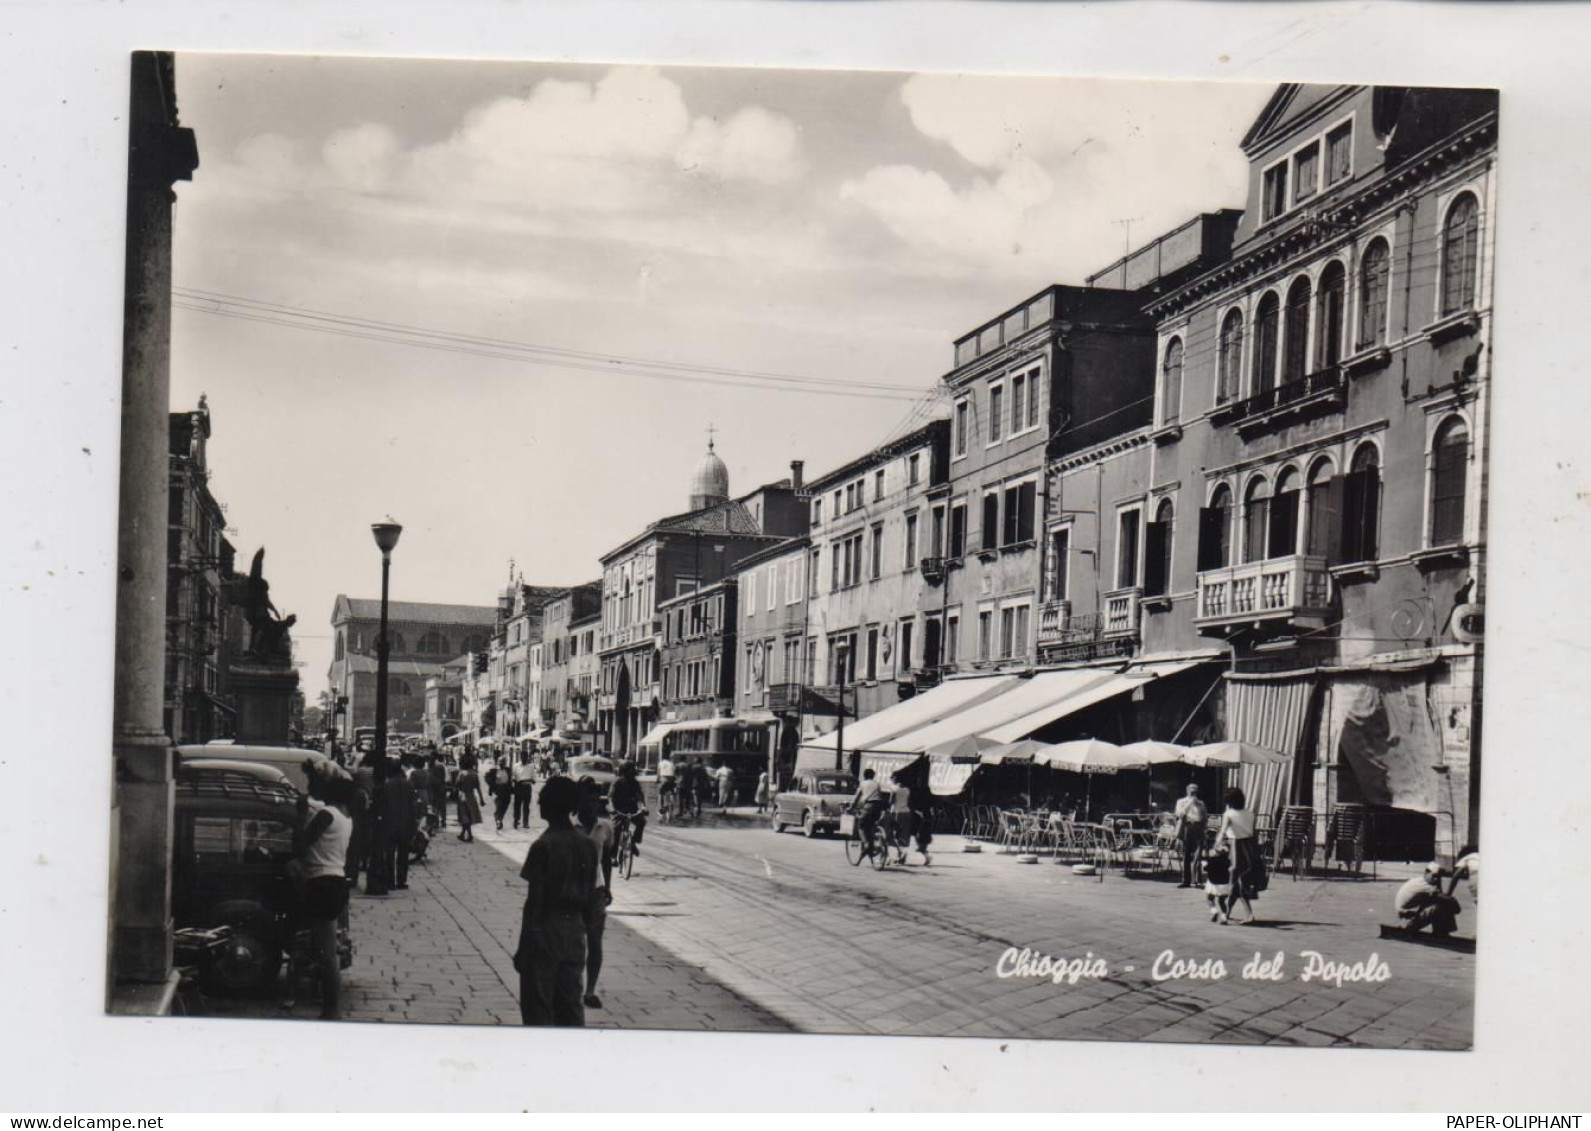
{"x": 141, "y": 912}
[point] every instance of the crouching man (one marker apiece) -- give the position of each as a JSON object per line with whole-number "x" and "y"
{"x": 1421, "y": 903}
{"x": 560, "y": 871}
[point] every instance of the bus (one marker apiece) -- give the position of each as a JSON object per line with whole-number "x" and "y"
{"x": 740, "y": 744}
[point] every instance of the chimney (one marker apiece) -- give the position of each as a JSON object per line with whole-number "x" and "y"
{"x": 796, "y": 467}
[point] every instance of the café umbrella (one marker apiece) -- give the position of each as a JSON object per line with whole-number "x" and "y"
{"x": 1227, "y": 754}
{"x": 1090, "y": 756}
{"x": 1159, "y": 753}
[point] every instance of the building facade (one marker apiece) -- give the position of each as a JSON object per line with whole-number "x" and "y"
{"x": 1321, "y": 415}
{"x": 1308, "y": 500}
{"x": 422, "y": 638}
{"x": 561, "y": 646}
{"x": 202, "y": 627}
{"x": 872, "y": 578}
{"x": 698, "y": 648}
{"x": 673, "y": 556}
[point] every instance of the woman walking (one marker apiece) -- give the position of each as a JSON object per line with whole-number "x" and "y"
{"x": 1248, "y": 870}
{"x": 468, "y": 787}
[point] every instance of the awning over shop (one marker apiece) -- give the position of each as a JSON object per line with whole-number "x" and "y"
{"x": 1269, "y": 712}
{"x": 1096, "y": 689}
{"x": 937, "y": 703}
{"x": 885, "y": 764}
{"x": 947, "y": 778}
{"x": 654, "y": 736}
{"x": 1021, "y": 698}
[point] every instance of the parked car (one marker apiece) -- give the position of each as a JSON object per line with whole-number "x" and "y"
{"x": 814, "y": 800}
{"x": 598, "y": 769}
{"x": 233, "y": 843}
{"x": 288, "y": 759}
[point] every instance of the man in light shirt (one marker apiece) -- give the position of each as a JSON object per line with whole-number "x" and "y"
{"x": 1193, "y": 818}
{"x": 524, "y": 784}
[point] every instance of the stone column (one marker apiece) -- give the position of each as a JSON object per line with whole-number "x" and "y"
{"x": 160, "y": 153}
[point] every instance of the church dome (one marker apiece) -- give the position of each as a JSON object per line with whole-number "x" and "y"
{"x": 710, "y": 481}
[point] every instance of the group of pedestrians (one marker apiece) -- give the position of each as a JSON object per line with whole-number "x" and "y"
{"x": 1234, "y": 869}
{"x": 388, "y": 804}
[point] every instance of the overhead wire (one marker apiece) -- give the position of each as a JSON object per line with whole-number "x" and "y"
{"x": 401, "y": 334}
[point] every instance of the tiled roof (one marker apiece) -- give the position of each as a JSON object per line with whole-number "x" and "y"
{"x": 369, "y": 608}
{"x": 723, "y": 518}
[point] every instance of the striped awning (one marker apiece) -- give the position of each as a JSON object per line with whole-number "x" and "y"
{"x": 1270, "y": 712}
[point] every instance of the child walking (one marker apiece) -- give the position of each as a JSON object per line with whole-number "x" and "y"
{"x": 1218, "y": 886}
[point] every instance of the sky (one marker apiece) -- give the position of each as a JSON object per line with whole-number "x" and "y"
{"x": 841, "y": 228}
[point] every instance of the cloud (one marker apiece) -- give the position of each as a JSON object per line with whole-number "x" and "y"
{"x": 754, "y": 145}
{"x": 1041, "y": 168}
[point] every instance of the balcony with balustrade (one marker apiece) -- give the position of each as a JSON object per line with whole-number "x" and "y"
{"x": 1065, "y": 635}
{"x": 1317, "y": 394}
{"x": 1295, "y": 590}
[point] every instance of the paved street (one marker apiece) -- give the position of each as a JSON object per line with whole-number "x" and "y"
{"x": 736, "y": 928}
{"x": 789, "y": 925}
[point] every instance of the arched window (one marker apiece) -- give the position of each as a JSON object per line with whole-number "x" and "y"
{"x": 1157, "y": 551}
{"x": 1449, "y": 480}
{"x": 1215, "y": 531}
{"x": 1265, "y": 335}
{"x": 1256, "y": 510}
{"x": 1171, "y": 383}
{"x": 1373, "y": 273}
{"x": 433, "y": 644}
{"x": 1330, "y": 307}
{"x": 1325, "y": 512}
{"x": 1460, "y": 245}
{"x": 1283, "y": 536}
{"x": 1229, "y": 376}
{"x": 1295, "y": 357}
{"x": 1361, "y": 506}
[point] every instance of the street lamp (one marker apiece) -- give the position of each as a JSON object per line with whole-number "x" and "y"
{"x": 386, "y": 535}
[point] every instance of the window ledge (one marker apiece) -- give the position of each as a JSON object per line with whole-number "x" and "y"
{"x": 988, "y": 555}
{"x": 1438, "y": 557}
{"x": 1167, "y": 433}
{"x": 1355, "y": 572}
{"x": 1452, "y": 326}
{"x": 1018, "y": 547}
{"x": 1156, "y": 604}
{"x": 1367, "y": 361}
{"x": 1228, "y": 410}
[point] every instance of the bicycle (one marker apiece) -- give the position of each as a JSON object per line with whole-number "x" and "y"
{"x": 858, "y": 847}
{"x": 624, "y": 853}
{"x": 668, "y": 806}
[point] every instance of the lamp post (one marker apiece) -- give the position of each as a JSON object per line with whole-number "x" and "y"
{"x": 386, "y": 535}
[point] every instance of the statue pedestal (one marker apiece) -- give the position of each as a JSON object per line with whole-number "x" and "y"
{"x": 264, "y": 696}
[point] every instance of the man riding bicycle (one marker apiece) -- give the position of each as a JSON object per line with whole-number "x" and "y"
{"x": 869, "y": 801}
{"x": 628, "y": 803}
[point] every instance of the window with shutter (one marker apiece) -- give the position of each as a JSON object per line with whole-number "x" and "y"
{"x": 1265, "y": 333}
{"x": 1329, "y": 316}
{"x": 1450, "y": 471}
{"x": 1283, "y": 533}
{"x": 1127, "y": 523}
{"x": 991, "y": 521}
{"x": 1060, "y": 554}
{"x": 1171, "y": 384}
{"x": 1373, "y": 272}
{"x": 996, "y": 412}
{"x": 1156, "y": 541}
{"x": 1325, "y": 516}
{"x": 1229, "y": 376}
{"x": 958, "y": 530}
{"x": 1460, "y": 244}
{"x": 1026, "y": 510}
{"x": 1255, "y": 511}
{"x": 1296, "y": 346}
{"x": 1008, "y": 532}
{"x": 1213, "y": 525}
